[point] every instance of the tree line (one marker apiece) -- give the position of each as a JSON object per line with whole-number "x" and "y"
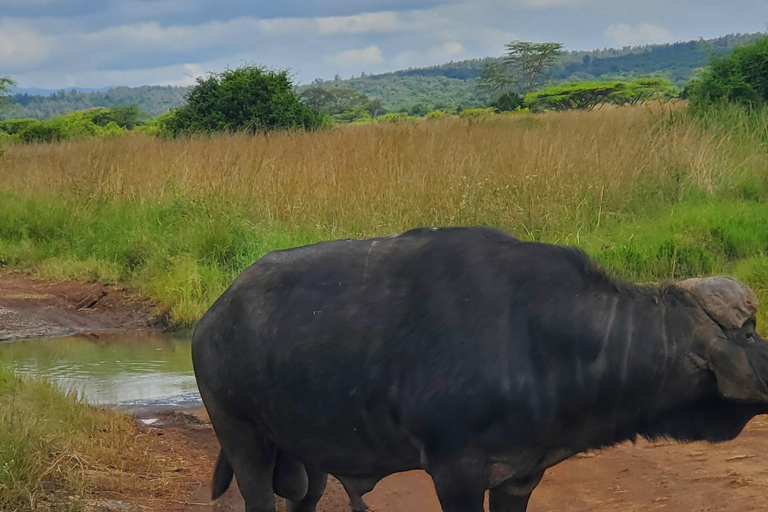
{"x": 257, "y": 99}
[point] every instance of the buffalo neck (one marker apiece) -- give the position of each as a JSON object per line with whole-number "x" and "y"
{"x": 623, "y": 352}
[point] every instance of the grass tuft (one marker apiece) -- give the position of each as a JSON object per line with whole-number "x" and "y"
{"x": 55, "y": 450}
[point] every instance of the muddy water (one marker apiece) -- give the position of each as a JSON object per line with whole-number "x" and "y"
{"x": 134, "y": 372}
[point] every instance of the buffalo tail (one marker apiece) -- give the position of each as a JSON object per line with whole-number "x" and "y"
{"x": 222, "y": 476}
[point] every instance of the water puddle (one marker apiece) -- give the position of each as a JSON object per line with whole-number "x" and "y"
{"x": 135, "y": 372}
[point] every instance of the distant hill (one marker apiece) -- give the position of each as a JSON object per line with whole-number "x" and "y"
{"x": 455, "y": 83}
{"x": 48, "y": 92}
{"x": 444, "y": 86}
{"x": 152, "y": 100}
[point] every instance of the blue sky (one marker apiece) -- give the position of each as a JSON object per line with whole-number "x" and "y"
{"x": 95, "y": 43}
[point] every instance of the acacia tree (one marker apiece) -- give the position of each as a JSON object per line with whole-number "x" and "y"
{"x": 521, "y": 69}
{"x": 340, "y": 100}
{"x": 528, "y": 61}
{"x": 588, "y": 95}
{"x": 574, "y": 95}
{"x": 495, "y": 79}
{"x": 641, "y": 90}
{"x": 6, "y": 87}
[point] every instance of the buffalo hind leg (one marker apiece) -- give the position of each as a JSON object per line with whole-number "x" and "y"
{"x": 251, "y": 456}
{"x": 460, "y": 485}
{"x": 513, "y": 495}
{"x": 356, "y": 488}
{"x": 315, "y": 489}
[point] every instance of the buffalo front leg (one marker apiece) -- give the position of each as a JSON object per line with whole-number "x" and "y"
{"x": 513, "y": 495}
{"x": 460, "y": 485}
{"x": 315, "y": 490}
{"x": 356, "y": 488}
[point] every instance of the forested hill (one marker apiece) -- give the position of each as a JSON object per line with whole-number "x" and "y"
{"x": 444, "y": 86}
{"x": 152, "y": 100}
{"x": 455, "y": 83}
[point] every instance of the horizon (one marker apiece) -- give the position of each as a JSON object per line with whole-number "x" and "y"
{"x": 87, "y": 89}
{"x": 63, "y": 44}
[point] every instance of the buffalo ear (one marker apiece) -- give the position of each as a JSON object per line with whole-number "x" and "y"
{"x": 736, "y": 379}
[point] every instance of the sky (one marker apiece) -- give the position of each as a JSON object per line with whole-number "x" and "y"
{"x": 54, "y": 44}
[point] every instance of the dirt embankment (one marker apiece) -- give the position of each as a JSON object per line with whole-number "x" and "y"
{"x": 36, "y": 308}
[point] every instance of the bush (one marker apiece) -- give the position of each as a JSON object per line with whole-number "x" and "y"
{"x": 16, "y": 126}
{"x": 474, "y": 112}
{"x": 437, "y": 114}
{"x": 740, "y": 78}
{"x": 393, "y": 117}
{"x": 249, "y": 98}
{"x": 125, "y": 117}
{"x": 508, "y": 102}
{"x": 75, "y": 125}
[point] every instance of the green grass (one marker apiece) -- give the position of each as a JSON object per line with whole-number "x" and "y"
{"x": 181, "y": 252}
{"x": 52, "y": 444}
{"x": 184, "y": 253}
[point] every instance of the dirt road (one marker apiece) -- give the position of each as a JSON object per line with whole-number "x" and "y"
{"x": 730, "y": 477}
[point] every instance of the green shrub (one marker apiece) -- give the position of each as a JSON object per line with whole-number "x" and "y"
{"x": 393, "y": 117}
{"x": 127, "y": 117}
{"x": 75, "y": 125}
{"x": 476, "y": 112}
{"x": 437, "y": 114}
{"x": 16, "y": 126}
{"x": 249, "y": 98}
{"x": 508, "y": 102}
{"x": 739, "y": 78}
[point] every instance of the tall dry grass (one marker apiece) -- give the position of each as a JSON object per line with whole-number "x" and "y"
{"x": 179, "y": 219}
{"x": 556, "y": 172}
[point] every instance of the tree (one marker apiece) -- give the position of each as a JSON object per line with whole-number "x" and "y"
{"x": 587, "y": 95}
{"x": 528, "y": 61}
{"x": 740, "y": 78}
{"x": 125, "y": 117}
{"x": 508, "y": 102}
{"x": 6, "y": 87}
{"x": 343, "y": 103}
{"x": 574, "y": 95}
{"x": 641, "y": 90}
{"x": 521, "y": 69}
{"x": 249, "y": 98}
{"x": 496, "y": 79}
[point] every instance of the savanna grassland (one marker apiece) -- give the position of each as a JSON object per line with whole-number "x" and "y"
{"x": 654, "y": 192}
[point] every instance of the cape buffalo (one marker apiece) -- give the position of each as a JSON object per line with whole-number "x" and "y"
{"x": 478, "y": 357}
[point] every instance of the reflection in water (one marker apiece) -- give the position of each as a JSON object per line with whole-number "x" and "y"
{"x": 132, "y": 371}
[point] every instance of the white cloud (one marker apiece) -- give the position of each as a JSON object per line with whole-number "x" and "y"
{"x": 644, "y": 33}
{"x": 446, "y": 50}
{"x": 360, "y": 23}
{"x": 357, "y": 57}
{"x": 192, "y": 72}
{"x": 22, "y": 46}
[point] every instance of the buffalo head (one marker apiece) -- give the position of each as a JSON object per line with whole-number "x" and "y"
{"x": 732, "y": 349}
